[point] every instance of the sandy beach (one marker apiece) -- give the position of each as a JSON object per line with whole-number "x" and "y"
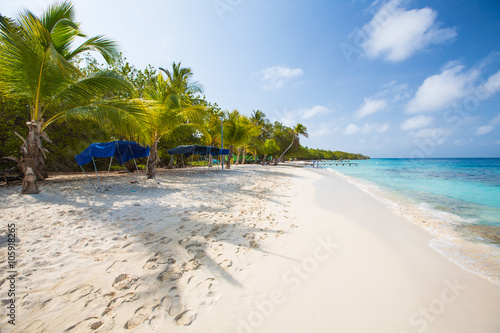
{"x": 251, "y": 249}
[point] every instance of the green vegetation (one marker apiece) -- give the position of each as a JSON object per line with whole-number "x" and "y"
{"x": 48, "y": 80}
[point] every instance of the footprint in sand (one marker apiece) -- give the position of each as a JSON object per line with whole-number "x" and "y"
{"x": 186, "y": 318}
{"x": 36, "y": 326}
{"x": 175, "y": 306}
{"x": 152, "y": 262}
{"x": 192, "y": 264}
{"x": 124, "y": 281}
{"x": 138, "y": 319}
{"x": 172, "y": 273}
{"x": 206, "y": 292}
{"x": 117, "y": 265}
{"x": 78, "y": 293}
{"x": 226, "y": 264}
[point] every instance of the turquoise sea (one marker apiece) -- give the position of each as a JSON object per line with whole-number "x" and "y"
{"x": 466, "y": 187}
{"x": 456, "y": 199}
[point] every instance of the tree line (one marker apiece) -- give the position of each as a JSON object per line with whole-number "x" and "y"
{"x": 52, "y": 90}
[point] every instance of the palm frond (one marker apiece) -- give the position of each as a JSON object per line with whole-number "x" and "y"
{"x": 104, "y": 46}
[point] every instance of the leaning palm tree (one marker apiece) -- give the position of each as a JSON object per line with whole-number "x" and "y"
{"x": 237, "y": 131}
{"x": 298, "y": 130}
{"x": 37, "y": 57}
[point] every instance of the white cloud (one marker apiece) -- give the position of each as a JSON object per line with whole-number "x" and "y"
{"x": 275, "y": 77}
{"x": 366, "y": 129}
{"x": 375, "y": 128}
{"x": 397, "y": 33}
{"x": 437, "y": 136}
{"x": 442, "y": 90}
{"x": 490, "y": 87}
{"x": 324, "y": 129}
{"x": 316, "y": 110}
{"x": 496, "y": 120}
{"x": 462, "y": 142}
{"x": 484, "y": 129}
{"x": 416, "y": 122}
{"x": 370, "y": 106}
{"x": 351, "y": 129}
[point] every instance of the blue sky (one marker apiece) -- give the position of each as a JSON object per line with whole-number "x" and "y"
{"x": 384, "y": 78}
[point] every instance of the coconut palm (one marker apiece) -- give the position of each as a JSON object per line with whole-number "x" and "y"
{"x": 37, "y": 57}
{"x": 179, "y": 81}
{"x": 297, "y": 131}
{"x": 237, "y": 131}
{"x": 270, "y": 147}
{"x": 166, "y": 114}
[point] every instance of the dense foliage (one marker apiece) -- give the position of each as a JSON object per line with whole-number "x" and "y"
{"x": 163, "y": 109}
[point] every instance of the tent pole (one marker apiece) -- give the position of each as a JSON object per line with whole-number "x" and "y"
{"x": 98, "y": 181}
{"x": 109, "y": 168}
{"x": 132, "y": 152}
{"x": 88, "y": 178}
{"x": 121, "y": 159}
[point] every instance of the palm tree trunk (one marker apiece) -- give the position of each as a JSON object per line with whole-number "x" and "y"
{"x": 229, "y": 157}
{"x": 171, "y": 162}
{"x": 153, "y": 158}
{"x": 238, "y": 157}
{"x": 290, "y": 146}
{"x": 32, "y": 163}
{"x": 264, "y": 160}
{"x": 244, "y": 155}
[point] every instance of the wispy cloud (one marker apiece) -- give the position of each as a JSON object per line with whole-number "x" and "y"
{"x": 366, "y": 128}
{"x": 275, "y": 77}
{"x": 440, "y": 91}
{"x": 438, "y": 136}
{"x": 314, "y": 111}
{"x": 491, "y": 86}
{"x": 496, "y": 120}
{"x": 351, "y": 129}
{"x": 396, "y": 33}
{"x": 370, "y": 106}
{"x": 462, "y": 142}
{"x": 484, "y": 129}
{"x": 416, "y": 122}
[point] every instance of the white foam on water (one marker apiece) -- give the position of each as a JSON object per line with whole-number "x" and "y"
{"x": 476, "y": 257}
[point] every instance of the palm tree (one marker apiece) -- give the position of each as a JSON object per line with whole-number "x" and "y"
{"x": 167, "y": 114}
{"x": 237, "y": 131}
{"x": 37, "y": 57}
{"x": 270, "y": 147}
{"x": 298, "y": 130}
{"x": 179, "y": 81}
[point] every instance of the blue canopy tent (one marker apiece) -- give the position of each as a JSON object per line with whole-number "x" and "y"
{"x": 187, "y": 151}
{"x": 123, "y": 151}
{"x": 197, "y": 150}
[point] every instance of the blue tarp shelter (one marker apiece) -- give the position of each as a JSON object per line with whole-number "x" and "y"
{"x": 123, "y": 151}
{"x": 197, "y": 150}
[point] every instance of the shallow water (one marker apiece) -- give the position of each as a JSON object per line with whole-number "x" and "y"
{"x": 457, "y": 200}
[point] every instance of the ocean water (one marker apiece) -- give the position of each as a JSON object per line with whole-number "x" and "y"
{"x": 456, "y": 199}
{"x": 466, "y": 187}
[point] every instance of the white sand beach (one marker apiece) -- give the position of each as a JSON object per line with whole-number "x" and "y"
{"x": 251, "y": 249}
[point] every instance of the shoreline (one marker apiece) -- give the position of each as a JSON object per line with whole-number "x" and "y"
{"x": 251, "y": 249}
{"x": 452, "y": 240}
